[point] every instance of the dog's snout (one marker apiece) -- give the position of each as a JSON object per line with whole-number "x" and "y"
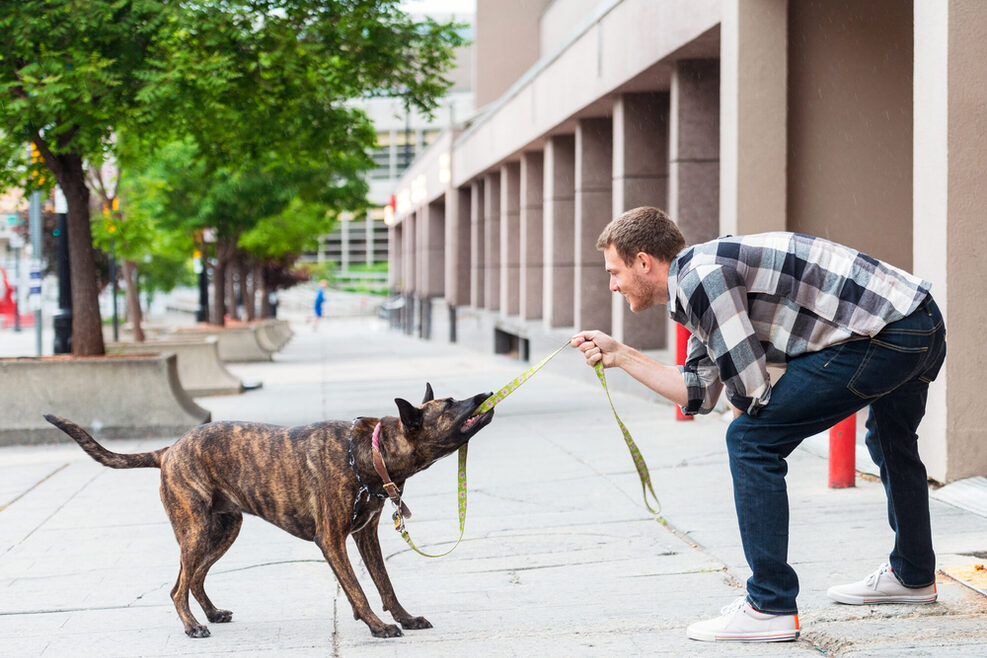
{"x": 478, "y": 399}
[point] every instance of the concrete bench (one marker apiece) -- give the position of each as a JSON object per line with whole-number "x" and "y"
{"x": 112, "y": 397}
{"x": 237, "y": 343}
{"x": 200, "y": 369}
{"x": 273, "y": 335}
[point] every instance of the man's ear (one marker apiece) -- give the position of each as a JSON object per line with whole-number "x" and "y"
{"x": 429, "y": 396}
{"x": 411, "y": 416}
{"x": 644, "y": 261}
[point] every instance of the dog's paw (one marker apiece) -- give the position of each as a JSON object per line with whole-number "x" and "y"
{"x": 388, "y": 630}
{"x": 220, "y": 616}
{"x": 197, "y": 631}
{"x": 415, "y": 623}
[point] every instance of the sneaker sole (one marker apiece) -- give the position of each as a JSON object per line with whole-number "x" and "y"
{"x": 859, "y": 600}
{"x": 780, "y": 636}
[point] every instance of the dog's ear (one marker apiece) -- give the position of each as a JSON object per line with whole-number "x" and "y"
{"x": 429, "y": 395}
{"x": 411, "y": 416}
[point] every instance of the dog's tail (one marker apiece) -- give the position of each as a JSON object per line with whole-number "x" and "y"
{"x": 101, "y": 454}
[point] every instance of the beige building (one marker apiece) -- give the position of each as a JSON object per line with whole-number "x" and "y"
{"x": 402, "y": 135}
{"x": 864, "y": 122}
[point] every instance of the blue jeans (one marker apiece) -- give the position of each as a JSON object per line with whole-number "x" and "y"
{"x": 891, "y": 373}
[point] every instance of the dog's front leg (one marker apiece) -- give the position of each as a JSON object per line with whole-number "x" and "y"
{"x": 369, "y": 545}
{"x": 334, "y": 549}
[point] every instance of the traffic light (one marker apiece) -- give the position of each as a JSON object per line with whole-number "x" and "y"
{"x": 37, "y": 163}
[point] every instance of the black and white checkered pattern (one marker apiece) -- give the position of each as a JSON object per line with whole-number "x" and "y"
{"x": 763, "y": 299}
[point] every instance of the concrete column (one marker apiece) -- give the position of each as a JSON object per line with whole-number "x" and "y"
{"x": 344, "y": 247}
{"x": 421, "y": 246}
{"x": 950, "y": 138}
{"x": 640, "y": 178}
{"x": 369, "y": 239}
{"x": 392, "y": 155}
{"x": 491, "y": 230}
{"x": 458, "y": 252}
{"x": 559, "y": 244}
{"x": 408, "y": 232}
{"x": 478, "y": 253}
{"x": 510, "y": 238}
{"x": 694, "y": 149}
{"x": 434, "y": 250}
{"x": 754, "y": 116}
{"x": 594, "y": 203}
{"x": 395, "y": 256}
{"x": 532, "y": 235}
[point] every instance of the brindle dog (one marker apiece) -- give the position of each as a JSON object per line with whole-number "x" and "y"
{"x": 317, "y": 482}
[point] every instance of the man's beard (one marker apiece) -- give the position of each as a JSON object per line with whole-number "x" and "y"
{"x": 643, "y": 293}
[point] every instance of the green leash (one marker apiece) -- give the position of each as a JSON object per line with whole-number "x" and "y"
{"x": 494, "y": 400}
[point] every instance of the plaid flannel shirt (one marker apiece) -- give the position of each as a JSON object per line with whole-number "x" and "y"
{"x": 764, "y": 299}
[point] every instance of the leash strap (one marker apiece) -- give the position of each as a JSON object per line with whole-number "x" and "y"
{"x": 494, "y": 400}
{"x": 639, "y": 464}
{"x": 399, "y": 519}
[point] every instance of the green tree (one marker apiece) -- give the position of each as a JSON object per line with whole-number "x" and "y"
{"x": 249, "y": 80}
{"x": 275, "y": 243}
{"x": 132, "y": 233}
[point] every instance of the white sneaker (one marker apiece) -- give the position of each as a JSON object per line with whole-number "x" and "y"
{"x": 882, "y": 586}
{"x": 742, "y": 623}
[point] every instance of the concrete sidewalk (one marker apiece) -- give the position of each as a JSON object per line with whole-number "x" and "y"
{"x": 560, "y": 558}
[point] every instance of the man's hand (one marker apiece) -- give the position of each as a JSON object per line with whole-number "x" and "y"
{"x": 597, "y": 346}
{"x": 664, "y": 380}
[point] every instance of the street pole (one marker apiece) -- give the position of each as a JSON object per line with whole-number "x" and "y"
{"x": 201, "y": 265}
{"x": 17, "y": 288}
{"x": 34, "y": 219}
{"x": 63, "y": 319}
{"x": 116, "y": 289}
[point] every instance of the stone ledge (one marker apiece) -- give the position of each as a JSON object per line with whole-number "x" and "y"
{"x": 112, "y": 397}
{"x": 200, "y": 370}
{"x": 238, "y": 343}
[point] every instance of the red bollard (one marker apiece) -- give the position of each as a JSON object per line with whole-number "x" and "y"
{"x": 681, "y": 350}
{"x": 843, "y": 453}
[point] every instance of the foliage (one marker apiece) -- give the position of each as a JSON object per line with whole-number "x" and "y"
{"x": 253, "y": 84}
{"x": 318, "y": 271}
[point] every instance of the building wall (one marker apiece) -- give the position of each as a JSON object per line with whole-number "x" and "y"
{"x": 507, "y": 44}
{"x": 850, "y": 124}
{"x": 858, "y": 121}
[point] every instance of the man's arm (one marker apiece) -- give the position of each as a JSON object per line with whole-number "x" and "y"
{"x": 716, "y": 301}
{"x": 664, "y": 380}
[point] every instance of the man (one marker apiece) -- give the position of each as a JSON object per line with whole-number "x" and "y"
{"x": 853, "y": 331}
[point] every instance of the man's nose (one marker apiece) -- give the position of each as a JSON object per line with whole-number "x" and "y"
{"x": 614, "y": 287}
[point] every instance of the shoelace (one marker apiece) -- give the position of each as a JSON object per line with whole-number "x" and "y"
{"x": 875, "y": 577}
{"x": 736, "y": 606}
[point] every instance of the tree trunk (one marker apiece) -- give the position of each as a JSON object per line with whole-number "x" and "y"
{"x": 134, "y": 313}
{"x": 231, "y": 310}
{"x": 87, "y": 324}
{"x": 260, "y": 276}
{"x": 247, "y": 289}
{"x": 224, "y": 251}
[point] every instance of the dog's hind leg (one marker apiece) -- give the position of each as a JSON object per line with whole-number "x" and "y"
{"x": 369, "y": 545}
{"x": 333, "y": 545}
{"x": 189, "y": 515}
{"x": 223, "y": 531}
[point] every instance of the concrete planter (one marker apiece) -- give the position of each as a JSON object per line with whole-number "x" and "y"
{"x": 200, "y": 370}
{"x": 236, "y": 344}
{"x": 113, "y": 397}
{"x": 275, "y": 333}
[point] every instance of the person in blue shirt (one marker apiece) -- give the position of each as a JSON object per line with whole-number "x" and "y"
{"x": 320, "y": 300}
